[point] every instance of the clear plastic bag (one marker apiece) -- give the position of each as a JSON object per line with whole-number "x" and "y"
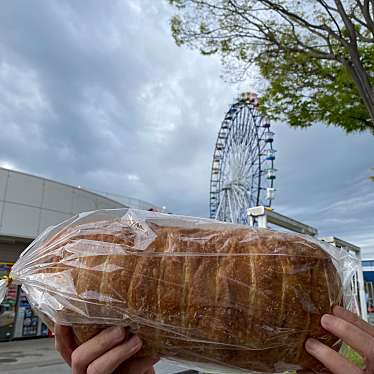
{"x": 209, "y": 295}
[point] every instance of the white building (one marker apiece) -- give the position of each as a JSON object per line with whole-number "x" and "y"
{"x": 29, "y": 204}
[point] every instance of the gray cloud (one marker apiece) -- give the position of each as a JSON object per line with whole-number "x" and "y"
{"x": 97, "y": 94}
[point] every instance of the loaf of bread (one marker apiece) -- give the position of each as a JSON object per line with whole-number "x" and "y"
{"x": 217, "y": 295}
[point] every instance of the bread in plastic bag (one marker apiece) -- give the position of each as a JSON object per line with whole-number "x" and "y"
{"x": 212, "y": 296}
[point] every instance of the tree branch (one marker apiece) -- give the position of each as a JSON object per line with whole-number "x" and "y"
{"x": 328, "y": 10}
{"x": 368, "y": 17}
{"x": 313, "y": 28}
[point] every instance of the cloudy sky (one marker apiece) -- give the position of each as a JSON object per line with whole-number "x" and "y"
{"x": 97, "y": 94}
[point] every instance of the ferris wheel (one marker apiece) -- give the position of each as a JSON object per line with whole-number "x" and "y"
{"x": 243, "y": 172}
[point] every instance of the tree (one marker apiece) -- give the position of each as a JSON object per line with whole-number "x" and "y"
{"x": 317, "y": 56}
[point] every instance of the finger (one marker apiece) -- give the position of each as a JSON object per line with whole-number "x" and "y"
{"x": 352, "y": 335}
{"x": 138, "y": 366}
{"x": 354, "y": 319}
{"x": 330, "y": 359}
{"x": 65, "y": 342}
{"x": 110, "y": 361}
{"x": 96, "y": 347}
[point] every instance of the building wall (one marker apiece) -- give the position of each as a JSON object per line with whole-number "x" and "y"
{"x": 29, "y": 204}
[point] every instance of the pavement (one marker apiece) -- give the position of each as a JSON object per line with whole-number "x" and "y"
{"x": 37, "y": 356}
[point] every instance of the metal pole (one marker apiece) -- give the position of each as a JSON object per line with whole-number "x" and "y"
{"x": 363, "y": 305}
{"x": 267, "y": 215}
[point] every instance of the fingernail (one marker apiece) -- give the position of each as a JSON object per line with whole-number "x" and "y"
{"x": 327, "y": 320}
{"x": 134, "y": 342}
{"x": 311, "y": 344}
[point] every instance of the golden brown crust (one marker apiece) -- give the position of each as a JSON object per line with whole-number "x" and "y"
{"x": 241, "y": 297}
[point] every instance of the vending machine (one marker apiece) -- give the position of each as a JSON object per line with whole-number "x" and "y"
{"x": 27, "y": 323}
{"x": 17, "y": 319}
{"x": 8, "y": 306}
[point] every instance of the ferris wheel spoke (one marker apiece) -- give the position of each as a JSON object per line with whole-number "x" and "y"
{"x": 230, "y": 208}
{"x": 237, "y": 201}
{"x": 249, "y": 159}
{"x": 241, "y": 203}
{"x": 249, "y": 197}
{"x": 220, "y": 212}
{"x": 254, "y": 201}
{"x": 245, "y": 203}
{"x": 251, "y": 135}
{"x": 233, "y": 206}
{"x": 250, "y": 167}
{"x": 237, "y": 192}
{"x": 219, "y": 207}
{"x": 254, "y": 140}
{"x": 227, "y": 210}
{"x": 242, "y": 188}
{"x": 243, "y": 192}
